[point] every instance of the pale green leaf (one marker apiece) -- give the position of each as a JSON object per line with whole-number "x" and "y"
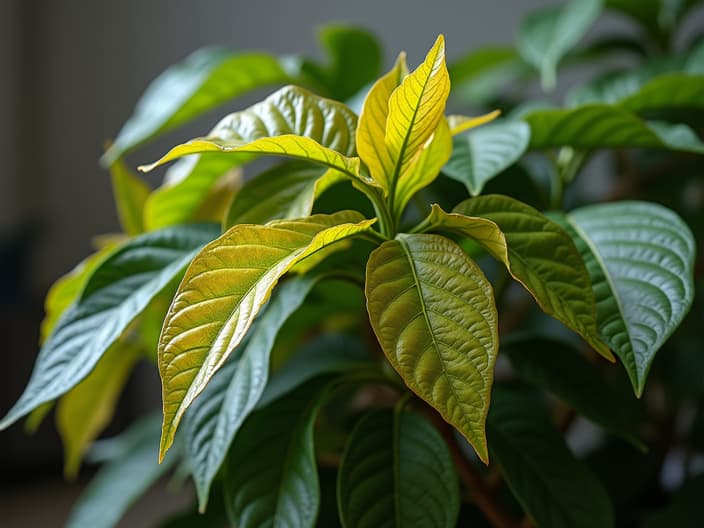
{"x": 291, "y": 122}
{"x": 603, "y": 126}
{"x": 433, "y": 312}
{"x": 372, "y": 125}
{"x": 396, "y": 471}
{"x": 84, "y": 411}
{"x": 130, "y": 196}
{"x": 546, "y": 35}
{"x": 116, "y": 293}
{"x": 223, "y": 290}
{"x": 486, "y": 73}
{"x": 285, "y": 191}
{"x": 554, "y": 488}
{"x": 204, "y": 80}
{"x": 213, "y": 420}
{"x": 123, "y": 479}
{"x": 271, "y": 477}
{"x": 640, "y": 257}
{"x": 482, "y": 154}
{"x": 536, "y": 251}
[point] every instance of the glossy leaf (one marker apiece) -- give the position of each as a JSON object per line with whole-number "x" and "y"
{"x": 372, "y": 125}
{"x": 433, "y": 312}
{"x": 215, "y": 417}
{"x": 120, "y": 482}
{"x": 416, "y": 110}
{"x": 186, "y": 189}
{"x": 130, "y": 195}
{"x": 84, "y": 411}
{"x": 602, "y": 126}
{"x": 482, "y": 154}
{"x": 285, "y": 191}
{"x": 554, "y": 488}
{"x": 397, "y": 471}
{"x": 291, "y": 122}
{"x": 640, "y": 257}
{"x": 573, "y": 379}
{"x": 537, "y": 253}
{"x": 204, "y": 80}
{"x": 224, "y": 288}
{"x": 546, "y": 35}
{"x": 117, "y": 292}
{"x": 271, "y": 477}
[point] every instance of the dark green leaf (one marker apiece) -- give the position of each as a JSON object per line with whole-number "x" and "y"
{"x": 117, "y": 292}
{"x": 554, "y": 488}
{"x": 397, "y": 472}
{"x": 685, "y": 510}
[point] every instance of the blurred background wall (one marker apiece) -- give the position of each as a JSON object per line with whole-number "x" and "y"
{"x": 70, "y": 74}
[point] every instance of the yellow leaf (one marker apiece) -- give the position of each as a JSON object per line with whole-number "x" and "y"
{"x": 222, "y": 292}
{"x": 131, "y": 194}
{"x": 371, "y": 131}
{"x": 460, "y": 123}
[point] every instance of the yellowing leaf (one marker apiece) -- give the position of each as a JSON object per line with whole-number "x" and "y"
{"x": 415, "y": 110}
{"x": 223, "y": 290}
{"x": 131, "y": 194}
{"x": 371, "y": 131}
{"x": 537, "y": 253}
{"x": 84, "y": 411}
{"x": 433, "y": 311}
{"x": 460, "y": 123}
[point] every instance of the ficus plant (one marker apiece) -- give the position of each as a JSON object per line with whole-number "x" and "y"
{"x": 411, "y": 317}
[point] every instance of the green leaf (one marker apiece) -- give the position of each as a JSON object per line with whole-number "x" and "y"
{"x": 120, "y": 482}
{"x": 685, "y": 509}
{"x": 271, "y": 478}
{"x": 640, "y": 257}
{"x": 546, "y": 35}
{"x": 573, "y": 379}
{"x": 484, "y": 153}
{"x": 674, "y": 90}
{"x": 85, "y": 410}
{"x": 186, "y": 189}
{"x": 130, "y": 195}
{"x": 223, "y": 290}
{"x": 537, "y": 252}
{"x": 285, "y": 191}
{"x": 354, "y": 60}
{"x": 324, "y": 354}
{"x": 216, "y": 415}
{"x": 396, "y": 471}
{"x": 204, "y": 80}
{"x": 603, "y": 126}
{"x": 116, "y": 293}
{"x": 291, "y": 122}
{"x": 433, "y": 312}
{"x": 554, "y": 488}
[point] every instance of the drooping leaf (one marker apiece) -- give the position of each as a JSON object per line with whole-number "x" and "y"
{"x": 577, "y": 382}
{"x": 204, "y": 80}
{"x": 546, "y": 35}
{"x": 640, "y": 257}
{"x": 371, "y": 130}
{"x": 603, "y": 126}
{"x": 285, "y": 191}
{"x": 354, "y": 60}
{"x": 123, "y": 479}
{"x": 215, "y": 417}
{"x": 271, "y": 476}
{"x": 84, "y": 411}
{"x": 483, "y": 153}
{"x": 291, "y": 122}
{"x": 536, "y": 251}
{"x": 433, "y": 312}
{"x": 116, "y": 293}
{"x": 223, "y": 290}
{"x": 554, "y": 488}
{"x": 186, "y": 188}
{"x": 130, "y": 195}
{"x": 397, "y": 471}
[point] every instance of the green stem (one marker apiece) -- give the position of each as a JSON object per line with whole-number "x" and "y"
{"x": 386, "y": 223}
